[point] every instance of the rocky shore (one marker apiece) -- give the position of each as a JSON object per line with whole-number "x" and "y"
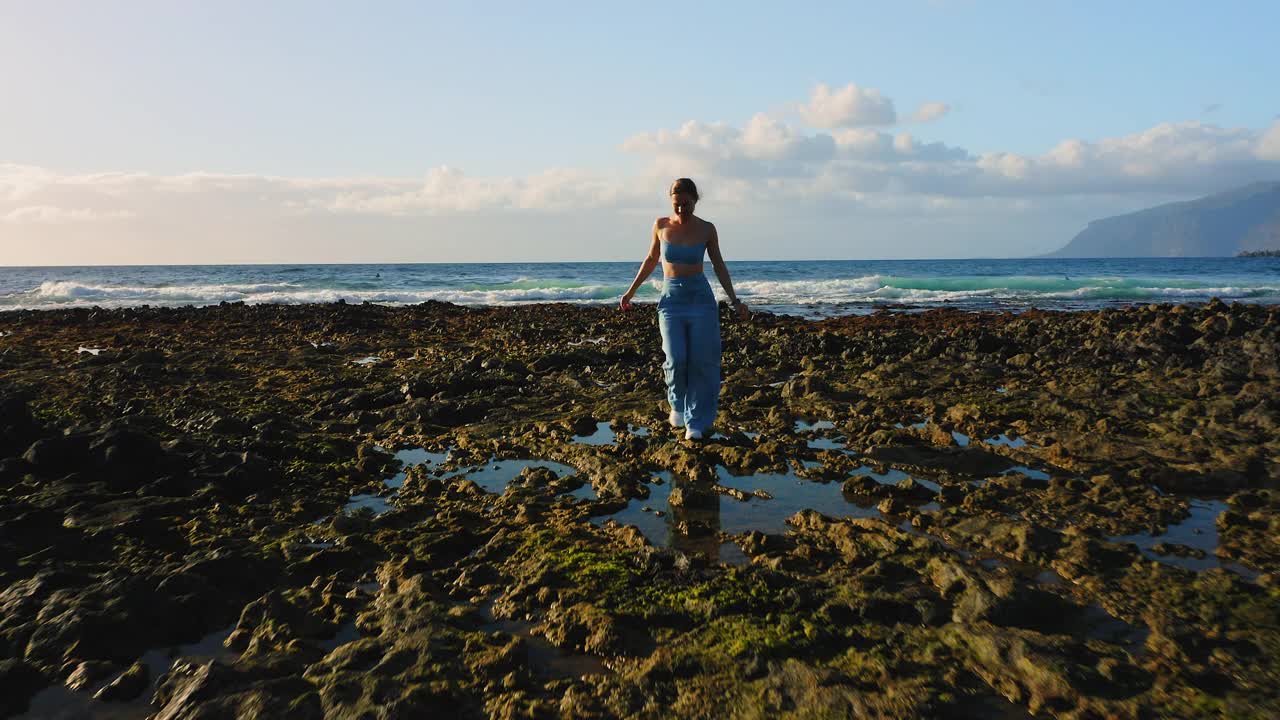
{"x": 445, "y": 511}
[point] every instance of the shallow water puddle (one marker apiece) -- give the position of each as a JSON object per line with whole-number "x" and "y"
{"x": 346, "y": 633}
{"x": 59, "y": 702}
{"x": 1029, "y": 472}
{"x": 689, "y": 530}
{"x": 92, "y": 351}
{"x": 1002, "y": 440}
{"x": 493, "y": 476}
{"x": 1098, "y": 624}
{"x": 892, "y": 476}
{"x": 1199, "y": 532}
{"x": 823, "y": 443}
{"x": 1050, "y": 577}
{"x": 586, "y": 492}
{"x": 368, "y": 360}
{"x": 584, "y": 341}
{"x": 421, "y": 456}
{"x": 414, "y": 456}
{"x": 377, "y": 504}
{"x": 693, "y": 524}
{"x": 964, "y": 440}
{"x": 804, "y": 425}
{"x": 1026, "y": 570}
{"x": 209, "y": 647}
{"x": 545, "y": 660}
{"x": 603, "y": 435}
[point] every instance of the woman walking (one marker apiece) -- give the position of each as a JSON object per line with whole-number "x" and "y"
{"x": 687, "y": 313}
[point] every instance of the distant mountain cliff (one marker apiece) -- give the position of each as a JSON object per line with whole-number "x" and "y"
{"x": 1228, "y": 223}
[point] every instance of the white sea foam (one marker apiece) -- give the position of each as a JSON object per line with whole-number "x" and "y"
{"x": 66, "y": 293}
{"x": 857, "y": 289}
{"x": 841, "y": 287}
{"x": 71, "y": 290}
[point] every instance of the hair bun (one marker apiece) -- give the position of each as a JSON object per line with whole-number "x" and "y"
{"x": 685, "y": 185}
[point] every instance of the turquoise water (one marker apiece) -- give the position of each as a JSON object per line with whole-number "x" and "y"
{"x": 811, "y": 288}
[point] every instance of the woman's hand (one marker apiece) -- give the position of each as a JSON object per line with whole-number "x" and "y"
{"x": 741, "y": 308}
{"x": 625, "y": 304}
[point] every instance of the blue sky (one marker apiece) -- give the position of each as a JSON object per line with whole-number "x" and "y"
{"x": 340, "y": 121}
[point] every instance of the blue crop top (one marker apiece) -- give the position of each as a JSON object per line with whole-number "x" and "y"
{"x": 683, "y": 254}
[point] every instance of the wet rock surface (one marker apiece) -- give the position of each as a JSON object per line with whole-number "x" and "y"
{"x": 234, "y": 512}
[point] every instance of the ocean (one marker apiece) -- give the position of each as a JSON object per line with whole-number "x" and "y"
{"x": 811, "y": 288}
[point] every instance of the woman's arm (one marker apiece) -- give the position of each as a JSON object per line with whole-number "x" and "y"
{"x": 646, "y": 268}
{"x": 722, "y": 272}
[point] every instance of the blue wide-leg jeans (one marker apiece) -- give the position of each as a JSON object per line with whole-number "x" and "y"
{"x": 690, "y": 323}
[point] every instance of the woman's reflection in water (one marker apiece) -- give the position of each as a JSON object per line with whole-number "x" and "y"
{"x": 694, "y": 519}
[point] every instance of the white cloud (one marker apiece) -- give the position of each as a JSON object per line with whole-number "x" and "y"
{"x": 865, "y": 144}
{"x": 1178, "y": 158}
{"x": 758, "y": 169}
{"x": 930, "y": 111}
{"x": 850, "y": 106}
{"x": 19, "y": 181}
{"x": 50, "y": 214}
{"x": 1171, "y": 159}
{"x": 764, "y": 148}
{"x": 768, "y": 139}
{"x": 1269, "y": 143}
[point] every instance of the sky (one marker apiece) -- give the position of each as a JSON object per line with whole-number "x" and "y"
{"x": 185, "y": 131}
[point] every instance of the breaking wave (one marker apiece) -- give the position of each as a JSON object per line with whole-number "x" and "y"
{"x": 780, "y": 286}
{"x": 64, "y": 293}
{"x": 873, "y": 288}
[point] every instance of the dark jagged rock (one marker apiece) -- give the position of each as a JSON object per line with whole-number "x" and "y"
{"x": 127, "y": 686}
{"x": 185, "y": 497}
{"x": 17, "y": 427}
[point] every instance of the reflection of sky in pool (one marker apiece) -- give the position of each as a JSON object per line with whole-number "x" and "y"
{"x": 1029, "y": 472}
{"x": 714, "y": 511}
{"x": 376, "y": 503}
{"x": 604, "y": 434}
{"x": 493, "y": 476}
{"x": 415, "y": 456}
{"x": 1199, "y": 530}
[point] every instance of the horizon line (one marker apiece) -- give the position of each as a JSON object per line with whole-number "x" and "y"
{"x": 602, "y": 262}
